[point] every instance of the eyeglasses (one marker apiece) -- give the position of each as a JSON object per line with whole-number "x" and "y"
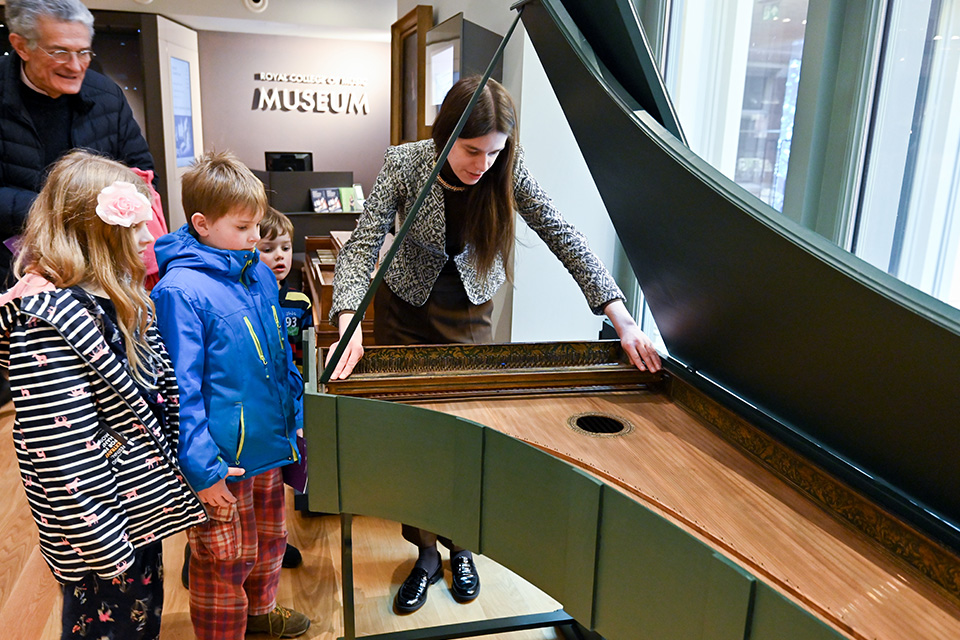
{"x": 62, "y": 56}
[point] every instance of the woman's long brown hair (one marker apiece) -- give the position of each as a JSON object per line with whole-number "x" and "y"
{"x": 489, "y": 228}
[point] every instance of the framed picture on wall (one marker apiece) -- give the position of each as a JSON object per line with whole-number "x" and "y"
{"x": 182, "y": 111}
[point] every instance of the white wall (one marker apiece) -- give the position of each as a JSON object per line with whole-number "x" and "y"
{"x": 546, "y": 302}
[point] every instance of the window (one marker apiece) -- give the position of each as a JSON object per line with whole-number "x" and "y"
{"x": 908, "y": 221}
{"x": 733, "y": 69}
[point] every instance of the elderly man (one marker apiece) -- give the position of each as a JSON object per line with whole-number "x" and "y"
{"x": 50, "y": 103}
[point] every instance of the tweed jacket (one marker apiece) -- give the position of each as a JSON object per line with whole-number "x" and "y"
{"x": 99, "y": 471}
{"x": 422, "y": 255}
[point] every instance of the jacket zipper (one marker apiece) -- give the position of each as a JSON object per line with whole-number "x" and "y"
{"x": 243, "y": 434}
{"x": 243, "y": 271}
{"x": 280, "y": 335}
{"x": 256, "y": 340}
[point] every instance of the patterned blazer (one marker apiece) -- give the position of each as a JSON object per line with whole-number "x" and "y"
{"x": 99, "y": 471}
{"x": 418, "y": 262}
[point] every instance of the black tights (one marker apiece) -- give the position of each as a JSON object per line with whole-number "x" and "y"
{"x": 426, "y": 541}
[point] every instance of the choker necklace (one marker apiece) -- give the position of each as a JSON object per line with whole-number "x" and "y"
{"x": 447, "y": 185}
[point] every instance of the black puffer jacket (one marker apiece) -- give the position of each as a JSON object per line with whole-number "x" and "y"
{"x": 102, "y": 122}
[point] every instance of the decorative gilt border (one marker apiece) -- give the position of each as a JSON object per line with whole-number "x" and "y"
{"x": 934, "y": 561}
{"x": 488, "y": 357}
{"x": 459, "y": 371}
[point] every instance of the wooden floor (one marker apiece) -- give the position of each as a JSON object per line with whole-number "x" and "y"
{"x": 30, "y": 598}
{"x": 675, "y": 463}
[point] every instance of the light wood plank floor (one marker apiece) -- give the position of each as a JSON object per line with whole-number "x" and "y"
{"x": 30, "y": 598}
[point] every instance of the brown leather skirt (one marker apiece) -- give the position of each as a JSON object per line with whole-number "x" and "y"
{"x": 447, "y": 317}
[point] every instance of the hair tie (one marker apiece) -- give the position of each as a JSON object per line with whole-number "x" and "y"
{"x": 121, "y": 204}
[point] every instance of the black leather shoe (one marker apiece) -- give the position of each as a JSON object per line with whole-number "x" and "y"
{"x": 466, "y": 580}
{"x": 292, "y": 558}
{"x": 413, "y": 591}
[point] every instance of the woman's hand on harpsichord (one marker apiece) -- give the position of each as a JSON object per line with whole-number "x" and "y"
{"x": 353, "y": 352}
{"x": 635, "y": 343}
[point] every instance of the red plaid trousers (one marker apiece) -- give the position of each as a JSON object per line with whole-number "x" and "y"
{"x": 235, "y": 568}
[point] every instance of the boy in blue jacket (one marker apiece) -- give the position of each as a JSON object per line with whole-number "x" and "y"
{"x": 219, "y": 314}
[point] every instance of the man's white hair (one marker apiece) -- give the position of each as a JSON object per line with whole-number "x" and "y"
{"x": 23, "y": 15}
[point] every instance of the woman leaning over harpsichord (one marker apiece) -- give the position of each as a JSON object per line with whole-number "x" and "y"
{"x": 440, "y": 285}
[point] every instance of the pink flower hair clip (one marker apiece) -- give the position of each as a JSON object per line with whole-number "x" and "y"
{"x": 121, "y": 204}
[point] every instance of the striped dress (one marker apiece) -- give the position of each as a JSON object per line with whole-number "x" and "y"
{"x": 99, "y": 470}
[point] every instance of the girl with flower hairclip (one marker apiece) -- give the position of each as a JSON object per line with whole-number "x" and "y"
{"x": 96, "y": 399}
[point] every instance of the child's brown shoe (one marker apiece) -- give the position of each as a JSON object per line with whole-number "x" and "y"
{"x": 279, "y": 623}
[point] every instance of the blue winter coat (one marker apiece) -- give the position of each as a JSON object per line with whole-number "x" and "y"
{"x": 219, "y": 314}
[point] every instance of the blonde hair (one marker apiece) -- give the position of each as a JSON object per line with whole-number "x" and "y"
{"x": 274, "y": 224}
{"x": 66, "y": 242}
{"x": 219, "y": 182}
